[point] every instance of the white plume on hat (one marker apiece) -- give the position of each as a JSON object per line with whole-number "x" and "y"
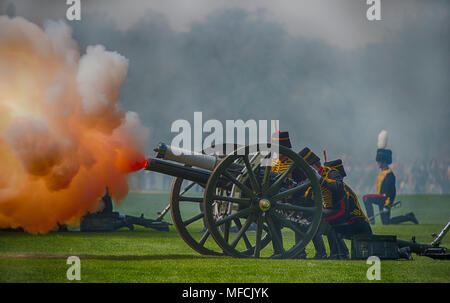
{"x": 382, "y": 139}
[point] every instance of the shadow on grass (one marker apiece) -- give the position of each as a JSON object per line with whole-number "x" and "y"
{"x": 107, "y": 257}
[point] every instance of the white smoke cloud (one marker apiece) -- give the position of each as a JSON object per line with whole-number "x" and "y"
{"x": 132, "y": 130}
{"x": 60, "y": 35}
{"x": 108, "y": 70}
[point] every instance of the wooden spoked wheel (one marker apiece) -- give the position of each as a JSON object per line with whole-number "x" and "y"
{"x": 188, "y": 217}
{"x": 265, "y": 199}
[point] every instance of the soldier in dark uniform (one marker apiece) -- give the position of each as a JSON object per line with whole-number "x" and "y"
{"x": 385, "y": 192}
{"x": 341, "y": 209}
{"x": 332, "y": 189}
{"x": 279, "y": 166}
{"x": 354, "y": 211}
{"x": 338, "y": 247}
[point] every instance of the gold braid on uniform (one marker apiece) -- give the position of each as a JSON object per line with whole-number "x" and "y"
{"x": 279, "y": 166}
{"x": 327, "y": 195}
{"x": 380, "y": 178}
{"x": 294, "y": 216}
{"x": 357, "y": 211}
{"x": 327, "y": 198}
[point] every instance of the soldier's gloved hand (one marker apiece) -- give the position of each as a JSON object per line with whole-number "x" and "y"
{"x": 385, "y": 209}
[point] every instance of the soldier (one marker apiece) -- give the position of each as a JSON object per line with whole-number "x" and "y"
{"x": 353, "y": 207}
{"x": 338, "y": 248}
{"x": 341, "y": 209}
{"x": 385, "y": 188}
{"x": 279, "y": 166}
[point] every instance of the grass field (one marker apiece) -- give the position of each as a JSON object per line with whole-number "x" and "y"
{"x": 146, "y": 255}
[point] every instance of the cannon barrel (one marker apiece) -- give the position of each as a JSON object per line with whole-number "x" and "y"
{"x": 193, "y": 158}
{"x": 197, "y": 175}
{"x": 187, "y": 157}
{"x": 203, "y": 165}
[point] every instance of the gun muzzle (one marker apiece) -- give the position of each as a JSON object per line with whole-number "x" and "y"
{"x": 187, "y": 157}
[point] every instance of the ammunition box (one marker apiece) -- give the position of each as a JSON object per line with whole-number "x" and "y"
{"x": 383, "y": 246}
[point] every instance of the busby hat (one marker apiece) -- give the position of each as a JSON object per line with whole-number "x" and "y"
{"x": 383, "y": 154}
{"x": 282, "y": 138}
{"x": 336, "y": 164}
{"x": 309, "y": 156}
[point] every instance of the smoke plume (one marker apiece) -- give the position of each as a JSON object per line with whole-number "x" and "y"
{"x": 62, "y": 136}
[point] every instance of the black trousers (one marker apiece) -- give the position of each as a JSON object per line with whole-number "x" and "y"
{"x": 401, "y": 219}
{"x": 338, "y": 247}
{"x": 385, "y": 217}
{"x": 319, "y": 246}
{"x": 358, "y": 226}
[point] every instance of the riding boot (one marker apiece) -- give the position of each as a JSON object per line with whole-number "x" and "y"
{"x": 405, "y": 218}
{"x": 321, "y": 252}
{"x": 369, "y": 210}
{"x": 333, "y": 244}
{"x": 302, "y": 254}
{"x": 405, "y": 253}
{"x": 276, "y": 247}
{"x": 385, "y": 216}
{"x": 343, "y": 252}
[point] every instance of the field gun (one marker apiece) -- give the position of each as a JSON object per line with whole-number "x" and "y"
{"x": 105, "y": 222}
{"x": 434, "y": 250}
{"x": 239, "y": 190}
{"x": 108, "y": 220}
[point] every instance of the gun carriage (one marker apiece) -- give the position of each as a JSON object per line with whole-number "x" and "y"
{"x": 241, "y": 195}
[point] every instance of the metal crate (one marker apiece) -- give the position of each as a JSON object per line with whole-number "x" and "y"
{"x": 383, "y": 246}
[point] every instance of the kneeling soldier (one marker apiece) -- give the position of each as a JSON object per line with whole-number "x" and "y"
{"x": 279, "y": 166}
{"x": 332, "y": 193}
{"x": 385, "y": 187}
{"x": 354, "y": 211}
{"x": 339, "y": 206}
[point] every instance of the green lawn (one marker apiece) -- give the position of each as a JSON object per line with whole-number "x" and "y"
{"x": 146, "y": 255}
